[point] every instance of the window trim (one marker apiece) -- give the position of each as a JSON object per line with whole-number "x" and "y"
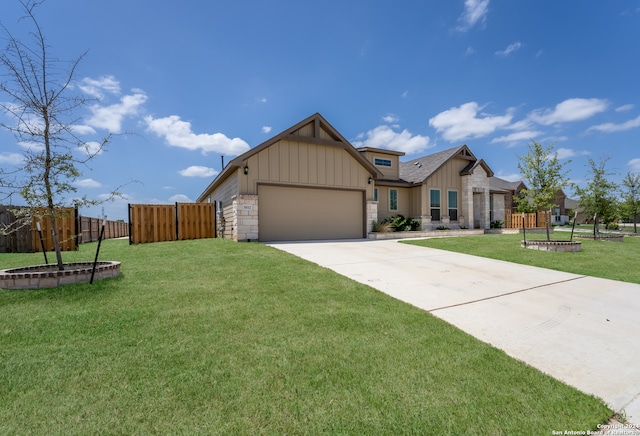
{"x": 380, "y": 162}
{"x": 391, "y": 191}
{"x": 438, "y": 208}
{"x": 449, "y": 208}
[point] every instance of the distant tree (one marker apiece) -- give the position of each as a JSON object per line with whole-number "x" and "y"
{"x": 631, "y": 195}
{"x": 38, "y": 99}
{"x": 545, "y": 175}
{"x": 598, "y": 199}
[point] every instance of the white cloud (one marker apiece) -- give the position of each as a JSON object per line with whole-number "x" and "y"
{"x": 97, "y": 87}
{"x": 198, "y": 171}
{"x": 390, "y": 119}
{"x": 510, "y": 49}
{"x": 266, "y": 129}
{"x": 513, "y": 177}
{"x": 475, "y": 11}
{"x": 517, "y": 136}
{"x": 573, "y": 109}
{"x": 565, "y": 153}
{"x": 634, "y": 164}
{"x": 87, "y": 183}
{"x": 624, "y": 108}
{"x": 385, "y": 137}
{"x": 405, "y": 94}
{"x": 91, "y": 148}
{"x": 459, "y": 123}
{"x": 262, "y": 100}
{"x": 82, "y": 129}
{"x": 611, "y": 127}
{"x": 178, "y": 133}
{"x": 11, "y": 158}
{"x": 180, "y": 198}
{"x": 110, "y": 117}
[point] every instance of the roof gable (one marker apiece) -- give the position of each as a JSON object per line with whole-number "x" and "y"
{"x": 313, "y": 130}
{"x": 418, "y": 170}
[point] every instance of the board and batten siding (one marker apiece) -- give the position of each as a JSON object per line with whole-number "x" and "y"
{"x": 299, "y": 163}
{"x": 226, "y": 190}
{"x": 447, "y": 178}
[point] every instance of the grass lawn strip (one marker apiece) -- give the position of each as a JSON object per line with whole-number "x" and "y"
{"x": 216, "y": 337}
{"x": 604, "y": 259}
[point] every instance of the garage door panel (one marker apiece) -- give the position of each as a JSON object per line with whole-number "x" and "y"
{"x": 292, "y": 213}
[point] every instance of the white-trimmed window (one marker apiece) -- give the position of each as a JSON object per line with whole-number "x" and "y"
{"x": 434, "y": 204}
{"x": 382, "y": 162}
{"x": 375, "y": 194}
{"x": 393, "y": 199}
{"x": 452, "y": 203}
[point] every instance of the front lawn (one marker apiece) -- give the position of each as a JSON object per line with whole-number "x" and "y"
{"x": 216, "y": 337}
{"x": 609, "y": 260}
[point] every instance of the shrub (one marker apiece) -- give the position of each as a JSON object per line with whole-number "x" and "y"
{"x": 380, "y": 227}
{"x": 497, "y": 224}
{"x": 401, "y": 224}
{"x": 442, "y": 228}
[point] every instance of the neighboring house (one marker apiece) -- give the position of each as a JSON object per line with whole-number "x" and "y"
{"x": 309, "y": 182}
{"x": 560, "y": 214}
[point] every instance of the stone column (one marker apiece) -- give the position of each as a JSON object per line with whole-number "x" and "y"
{"x": 245, "y": 218}
{"x": 372, "y": 214}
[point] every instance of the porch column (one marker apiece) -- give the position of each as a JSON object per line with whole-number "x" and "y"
{"x": 465, "y": 215}
{"x": 372, "y": 214}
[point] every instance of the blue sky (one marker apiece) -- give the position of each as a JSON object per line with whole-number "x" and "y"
{"x": 182, "y": 83}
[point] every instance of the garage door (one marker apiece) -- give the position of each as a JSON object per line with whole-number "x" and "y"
{"x": 293, "y": 214}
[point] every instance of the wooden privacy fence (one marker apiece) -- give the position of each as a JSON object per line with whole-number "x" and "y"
{"x": 90, "y": 229}
{"x": 531, "y": 220}
{"x": 166, "y": 222}
{"x": 18, "y": 240}
{"x": 72, "y": 230}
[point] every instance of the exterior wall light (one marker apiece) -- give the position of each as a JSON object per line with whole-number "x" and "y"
{"x": 246, "y": 169}
{"x": 370, "y": 180}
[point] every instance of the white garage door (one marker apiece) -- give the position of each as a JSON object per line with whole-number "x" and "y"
{"x": 292, "y": 214}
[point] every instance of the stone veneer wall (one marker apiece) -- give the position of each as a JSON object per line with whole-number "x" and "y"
{"x": 245, "y": 217}
{"x": 372, "y": 214}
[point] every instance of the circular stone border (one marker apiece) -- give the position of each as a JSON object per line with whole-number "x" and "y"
{"x": 560, "y": 246}
{"x": 48, "y": 276}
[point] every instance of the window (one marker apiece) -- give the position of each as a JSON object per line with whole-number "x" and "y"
{"x": 434, "y": 195}
{"x": 382, "y": 162}
{"x": 393, "y": 199}
{"x": 375, "y": 194}
{"x": 453, "y": 205}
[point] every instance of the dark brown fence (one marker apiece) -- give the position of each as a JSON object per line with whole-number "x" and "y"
{"x": 17, "y": 238}
{"x": 170, "y": 222}
{"x": 23, "y": 236}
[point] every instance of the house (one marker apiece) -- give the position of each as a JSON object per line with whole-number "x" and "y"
{"x": 560, "y": 214}
{"x": 309, "y": 182}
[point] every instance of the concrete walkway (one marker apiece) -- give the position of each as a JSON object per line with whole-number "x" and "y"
{"x": 581, "y": 330}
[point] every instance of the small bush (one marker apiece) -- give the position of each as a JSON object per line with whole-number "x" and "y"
{"x": 442, "y": 228}
{"x": 380, "y": 227}
{"x": 497, "y": 224}
{"x": 401, "y": 224}
{"x": 613, "y": 226}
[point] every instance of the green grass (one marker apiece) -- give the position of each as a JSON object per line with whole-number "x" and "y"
{"x": 216, "y": 337}
{"x": 609, "y": 260}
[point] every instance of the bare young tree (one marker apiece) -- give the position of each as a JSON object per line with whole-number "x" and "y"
{"x": 36, "y": 96}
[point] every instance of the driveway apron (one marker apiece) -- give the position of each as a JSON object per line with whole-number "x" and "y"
{"x": 581, "y": 330}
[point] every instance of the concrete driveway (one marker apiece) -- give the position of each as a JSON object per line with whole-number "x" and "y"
{"x": 581, "y": 330}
